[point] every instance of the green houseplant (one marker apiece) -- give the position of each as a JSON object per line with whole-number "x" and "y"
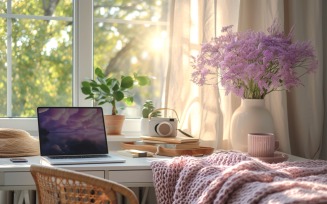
{"x": 148, "y": 107}
{"x": 110, "y": 90}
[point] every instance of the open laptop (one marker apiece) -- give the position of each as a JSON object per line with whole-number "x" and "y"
{"x": 73, "y": 135}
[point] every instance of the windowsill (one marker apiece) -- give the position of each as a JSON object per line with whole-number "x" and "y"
{"x": 125, "y": 137}
{"x": 131, "y": 127}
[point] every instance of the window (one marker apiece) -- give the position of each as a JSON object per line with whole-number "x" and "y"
{"x": 131, "y": 36}
{"x": 48, "y": 47}
{"x": 36, "y": 56}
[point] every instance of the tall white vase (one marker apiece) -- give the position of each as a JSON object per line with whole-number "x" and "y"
{"x": 251, "y": 117}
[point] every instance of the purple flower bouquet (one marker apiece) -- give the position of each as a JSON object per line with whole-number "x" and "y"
{"x": 253, "y": 64}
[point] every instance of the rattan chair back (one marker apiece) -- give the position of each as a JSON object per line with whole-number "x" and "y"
{"x": 56, "y": 185}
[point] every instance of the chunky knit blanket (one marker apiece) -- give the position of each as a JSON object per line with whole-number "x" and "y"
{"x": 232, "y": 177}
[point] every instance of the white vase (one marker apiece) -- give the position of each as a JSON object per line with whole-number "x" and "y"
{"x": 251, "y": 117}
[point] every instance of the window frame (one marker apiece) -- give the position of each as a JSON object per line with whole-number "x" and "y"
{"x": 82, "y": 61}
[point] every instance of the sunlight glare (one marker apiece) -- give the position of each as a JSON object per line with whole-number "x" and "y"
{"x": 119, "y": 45}
{"x": 102, "y": 11}
{"x": 65, "y": 36}
{"x": 114, "y": 30}
{"x": 113, "y": 10}
{"x": 158, "y": 42}
{"x": 19, "y": 43}
{"x": 134, "y": 60}
{"x": 52, "y": 44}
{"x": 155, "y": 18}
{"x": 145, "y": 55}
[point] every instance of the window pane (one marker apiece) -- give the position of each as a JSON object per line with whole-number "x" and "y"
{"x": 3, "y": 70}
{"x": 3, "y": 7}
{"x": 41, "y": 64}
{"x": 151, "y": 10}
{"x": 40, "y": 57}
{"x": 61, "y": 8}
{"x": 127, "y": 47}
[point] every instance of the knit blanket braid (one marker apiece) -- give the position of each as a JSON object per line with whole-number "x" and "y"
{"x": 232, "y": 177}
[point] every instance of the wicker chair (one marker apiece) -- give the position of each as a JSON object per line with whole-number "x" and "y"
{"x": 56, "y": 185}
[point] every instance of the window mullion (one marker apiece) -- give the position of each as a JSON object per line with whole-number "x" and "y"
{"x": 83, "y": 49}
{"x": 20, "y": 16}
{"x": 9, "y": 61}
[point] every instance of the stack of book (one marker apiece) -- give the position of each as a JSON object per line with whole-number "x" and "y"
{"x": 169, "y": 146}
{"x": 178, "y": 142}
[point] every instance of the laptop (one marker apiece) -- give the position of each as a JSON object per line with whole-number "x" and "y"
{"x": 73, "y": 135}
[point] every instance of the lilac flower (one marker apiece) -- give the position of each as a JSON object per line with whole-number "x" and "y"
{"x": 253, "y": 64}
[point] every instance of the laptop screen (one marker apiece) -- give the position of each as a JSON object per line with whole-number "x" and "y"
{"x": 71, "y": 131}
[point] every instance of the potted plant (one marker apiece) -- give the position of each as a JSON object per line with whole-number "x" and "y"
{"x": 107, "y": 89}
{"x": 148, "y": 107}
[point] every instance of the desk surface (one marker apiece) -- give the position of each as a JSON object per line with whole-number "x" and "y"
{"x": 135, "y": 172}
{"x": 130, "y": 164}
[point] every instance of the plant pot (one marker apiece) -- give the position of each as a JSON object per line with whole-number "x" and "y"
{"x": 251, "y": 117}
{"x": 144, "y": 126}
{"x": 114, "y": 124}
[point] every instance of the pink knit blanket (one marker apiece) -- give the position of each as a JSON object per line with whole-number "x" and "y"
{"x": 231, "y": 177}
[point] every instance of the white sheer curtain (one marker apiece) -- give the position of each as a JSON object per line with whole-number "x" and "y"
{"x": 206, "y": 112}
{"x": 197, "y": 106}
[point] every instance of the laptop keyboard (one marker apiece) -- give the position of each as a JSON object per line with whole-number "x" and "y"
{"x": 78, "y": 156}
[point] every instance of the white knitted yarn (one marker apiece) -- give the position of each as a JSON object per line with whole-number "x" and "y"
{"x": 17, "y": 143}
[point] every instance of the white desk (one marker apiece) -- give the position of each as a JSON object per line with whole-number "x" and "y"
{"x": 135, "y": 172}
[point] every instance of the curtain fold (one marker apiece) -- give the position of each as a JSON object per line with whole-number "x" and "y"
{"x": 196, "y": 106}
{"x": 299, "y": 115}
{"x": 323, "y": 63}
{"x": 305, "y": 103}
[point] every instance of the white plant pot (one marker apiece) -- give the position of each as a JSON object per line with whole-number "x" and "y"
{"x": 145, "y": 126}
{"x": 251, "y": 117}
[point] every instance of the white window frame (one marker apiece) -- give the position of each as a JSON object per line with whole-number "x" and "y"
{"x": 82, "y": 62}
